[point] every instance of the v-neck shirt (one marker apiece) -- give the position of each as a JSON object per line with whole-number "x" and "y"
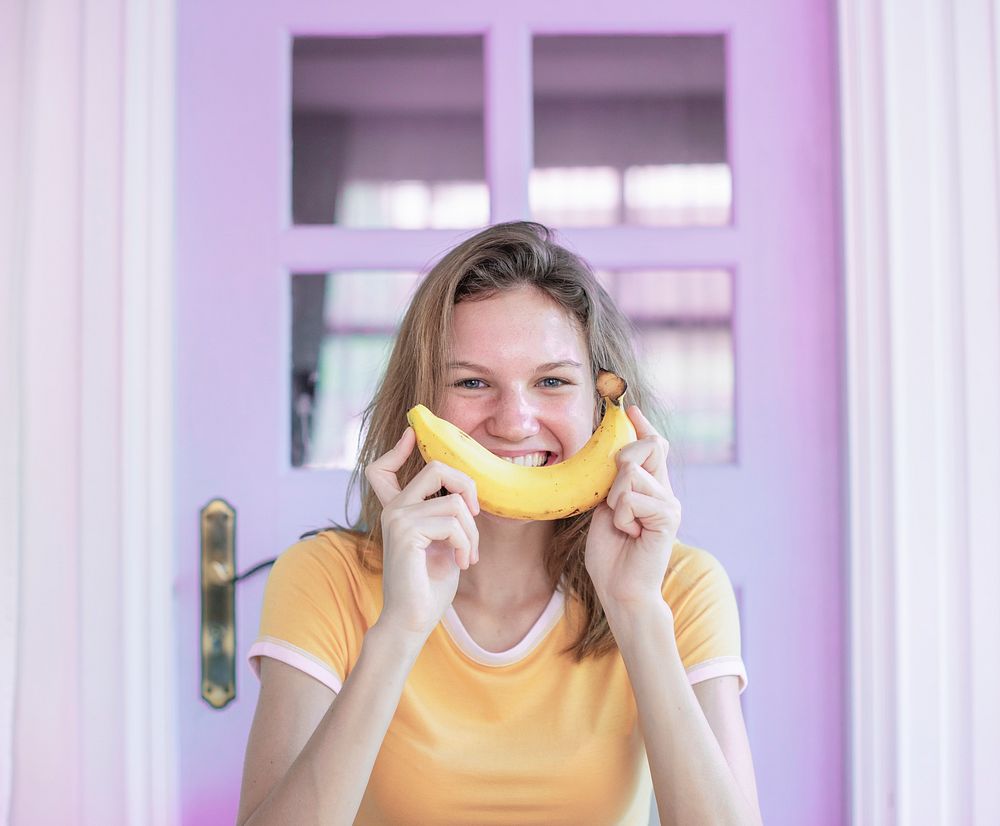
{"x": 527, "y": 735}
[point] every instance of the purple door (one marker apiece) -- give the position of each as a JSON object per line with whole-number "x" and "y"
{"x": 688, "y": 153}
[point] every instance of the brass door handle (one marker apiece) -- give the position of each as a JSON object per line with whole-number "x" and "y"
{"x": 218, "y": 603}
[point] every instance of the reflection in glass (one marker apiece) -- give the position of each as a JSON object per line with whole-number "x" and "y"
{"x": 576, "y": 196}
{"x": 630, "y": 130}
{"x": 684, "y": 322}
{"x": 678, "y": 194}
{"x": 388, "y": 132}
{"x": 343, "y": 326}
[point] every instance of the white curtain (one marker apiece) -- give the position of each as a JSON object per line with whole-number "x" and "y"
{"x": 54, "y": 96}
{"x": 85, "y": 108}
{"x": 919, "y": 129}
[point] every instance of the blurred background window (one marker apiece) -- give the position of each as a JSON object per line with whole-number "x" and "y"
{"x": 684, "y": 322}
{"x": 343, "y": 327}
{"x": 630, "y": 129}
{"x": 387, "y": 132}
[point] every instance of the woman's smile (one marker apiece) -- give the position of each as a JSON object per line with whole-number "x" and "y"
{"x": 537, "y": 459}
{"x": 524, "y": 384}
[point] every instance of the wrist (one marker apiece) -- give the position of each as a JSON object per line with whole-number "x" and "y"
{"x": 630, "y": 620}
{"x": 402, "y": 644}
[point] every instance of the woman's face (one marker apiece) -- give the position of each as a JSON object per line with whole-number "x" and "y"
{"x": 520, "y": 380}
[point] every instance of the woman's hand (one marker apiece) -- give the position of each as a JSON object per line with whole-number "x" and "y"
{"x": 632, "y": 533}
{"x": 426, "y": 542}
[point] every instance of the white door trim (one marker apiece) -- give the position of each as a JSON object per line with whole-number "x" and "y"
{"x": 869, "y": 401}
{"x": 148, "y": 335}
{"x": 919, "y": 105}
{"x": 12, "y": 21}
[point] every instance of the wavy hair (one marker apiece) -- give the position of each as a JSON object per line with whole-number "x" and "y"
{"x": 501, "y": 257}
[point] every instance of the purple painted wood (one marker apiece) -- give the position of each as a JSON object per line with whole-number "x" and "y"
{"x": 774, "y": 517}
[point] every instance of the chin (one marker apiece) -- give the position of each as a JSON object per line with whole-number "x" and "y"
{"x": 503, "y": 520}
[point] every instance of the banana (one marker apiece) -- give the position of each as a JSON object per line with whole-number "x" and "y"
{"x": 573, "y": 486}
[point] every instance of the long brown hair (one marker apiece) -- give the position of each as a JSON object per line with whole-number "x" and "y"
{"x": 501, "y": 257}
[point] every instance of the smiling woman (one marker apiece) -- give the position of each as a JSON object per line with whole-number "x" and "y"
{"x": 437, "y": 662}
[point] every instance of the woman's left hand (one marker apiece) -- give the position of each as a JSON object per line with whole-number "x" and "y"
{"x": 632, "y": 533}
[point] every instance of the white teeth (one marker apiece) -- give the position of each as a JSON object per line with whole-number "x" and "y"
{"x": 529, "y": 460}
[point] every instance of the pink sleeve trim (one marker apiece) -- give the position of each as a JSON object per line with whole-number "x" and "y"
{"x": 719, "y": 667}
{"x": 297, "y": 658}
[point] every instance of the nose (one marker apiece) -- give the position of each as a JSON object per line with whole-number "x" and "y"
{"x": 514, "y": 417}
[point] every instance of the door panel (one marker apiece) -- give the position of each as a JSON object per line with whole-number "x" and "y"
{"x": 771, "y": 512}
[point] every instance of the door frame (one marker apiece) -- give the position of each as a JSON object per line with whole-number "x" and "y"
{"x": 148, "y": 521}
{"x": 148, "y": 398}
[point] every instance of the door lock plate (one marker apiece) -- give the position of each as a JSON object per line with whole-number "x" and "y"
{"x": 218, "y": 603}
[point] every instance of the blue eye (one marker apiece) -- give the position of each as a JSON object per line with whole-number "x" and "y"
{"x": 468, "y": 384}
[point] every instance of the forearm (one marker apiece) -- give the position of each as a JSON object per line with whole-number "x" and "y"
{"x": 328, "y": 779}
{"x": 692, "y": 780}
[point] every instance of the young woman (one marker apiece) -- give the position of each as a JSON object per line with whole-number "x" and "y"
{"x": 437, "y": 664}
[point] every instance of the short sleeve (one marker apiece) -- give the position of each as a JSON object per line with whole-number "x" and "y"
{"x": 313, "y": 616}
{"x": 706, "y": 617}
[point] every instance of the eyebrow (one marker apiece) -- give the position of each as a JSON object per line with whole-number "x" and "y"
{"x": 549, "y": 365}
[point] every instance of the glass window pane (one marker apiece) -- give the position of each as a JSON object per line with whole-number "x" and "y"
{"x": 692, "y": 369}
{"x": 630, "y": 130}
{"x": 343, "y": 326}
{"x": 388, "y": 132}
{"x": 684, "y": 322}
{"x": 679, "y": 295}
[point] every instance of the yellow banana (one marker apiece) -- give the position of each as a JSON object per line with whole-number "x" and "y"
{"x": 573, "y": 486}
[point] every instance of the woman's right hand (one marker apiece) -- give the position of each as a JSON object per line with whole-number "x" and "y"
{"x": 425, "y": 542}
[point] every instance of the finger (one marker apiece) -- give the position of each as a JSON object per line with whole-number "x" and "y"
{"x": 381, "y": 474}
{"x": 650, "y": 452}
{"x": 446, "y": 529}
{"x": 643, "y": 427}
{"x": 637, "y": 512}
{"x": 453, "y": 505}
{"x": 436, "y": 475}
{"x": 633, "y": 476}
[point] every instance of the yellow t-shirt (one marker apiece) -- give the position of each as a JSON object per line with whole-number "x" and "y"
{"x": 525, "y": 736}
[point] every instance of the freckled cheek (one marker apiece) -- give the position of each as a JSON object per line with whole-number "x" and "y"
{"x": 572, "y": 422}
{"x": 461, "y": 417}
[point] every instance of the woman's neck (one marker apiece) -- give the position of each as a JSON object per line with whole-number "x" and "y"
{"x": 511, "y": 568}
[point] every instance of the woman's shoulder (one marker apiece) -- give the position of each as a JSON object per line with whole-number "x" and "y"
{"x": 691, "y": 565}
{"x": 318, "y": 603}
{"x": 334, "y": 554}
{"x": 706, "y": 614}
